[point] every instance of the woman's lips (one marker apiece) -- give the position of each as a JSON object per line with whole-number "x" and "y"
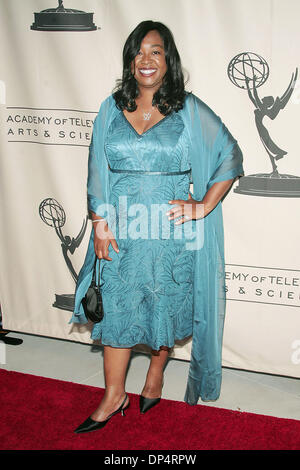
{"x": 147, "y": 72}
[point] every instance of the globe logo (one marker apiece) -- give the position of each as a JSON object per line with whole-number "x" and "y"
{"x": 249, "y": 71}
{"x": 52, "y": 213}
{"x": 250, "y": 67}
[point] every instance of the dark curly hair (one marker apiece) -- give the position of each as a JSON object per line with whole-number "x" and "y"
{"x": 171, "y": 94}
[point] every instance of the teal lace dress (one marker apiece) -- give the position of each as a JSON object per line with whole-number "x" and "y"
{"x": 147, "y": 288}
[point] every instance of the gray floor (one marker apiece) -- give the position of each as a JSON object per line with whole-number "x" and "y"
{"x": 83, "y": 363}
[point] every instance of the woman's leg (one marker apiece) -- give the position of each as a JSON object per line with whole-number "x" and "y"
{"x": 115, "y": 367}
{"x": 154, "y": 379}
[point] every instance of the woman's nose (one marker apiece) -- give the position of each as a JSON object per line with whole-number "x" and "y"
{"x": 147, "y": 58}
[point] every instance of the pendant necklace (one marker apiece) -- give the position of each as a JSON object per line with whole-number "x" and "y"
{"x": 147, "y": 116}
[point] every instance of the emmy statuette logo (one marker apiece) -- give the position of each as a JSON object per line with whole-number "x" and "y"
{"x": 250, "y": 71}
{"x": 53, "y": 215}
{"x": 63, "y": 19}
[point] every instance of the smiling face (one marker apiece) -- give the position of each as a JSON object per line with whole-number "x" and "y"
{"x": 149, "y": 66}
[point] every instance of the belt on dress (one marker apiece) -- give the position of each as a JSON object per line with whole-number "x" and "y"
{"x": 142, "y": 172}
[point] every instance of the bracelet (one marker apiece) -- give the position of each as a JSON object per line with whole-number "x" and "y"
{"x": 98, "y": 220}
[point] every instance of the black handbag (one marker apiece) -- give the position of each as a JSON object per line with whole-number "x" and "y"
{"x": 92, "y": 301}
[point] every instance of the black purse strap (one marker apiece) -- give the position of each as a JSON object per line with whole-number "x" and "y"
{"x": 94, "y": 272}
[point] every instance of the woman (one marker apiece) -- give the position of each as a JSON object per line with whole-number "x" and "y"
{"x": 150, "y": 140}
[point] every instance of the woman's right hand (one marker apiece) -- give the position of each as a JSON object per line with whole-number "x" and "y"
{"x": 103, "y": 236}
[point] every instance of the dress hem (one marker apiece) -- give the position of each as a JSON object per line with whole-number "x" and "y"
{"x": 141, "y": 343}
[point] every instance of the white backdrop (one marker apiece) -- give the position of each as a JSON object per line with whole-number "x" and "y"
{"x": 51, "y": 87}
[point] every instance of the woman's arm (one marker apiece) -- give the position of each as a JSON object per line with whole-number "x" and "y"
{"x": 214, "y": 195}
{"x": 103, "y": 236}
{"x": 96, "y": 217}
{"x": 191, "y": 206}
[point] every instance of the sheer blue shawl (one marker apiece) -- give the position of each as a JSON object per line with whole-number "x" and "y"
{"x": 215, "y": 156}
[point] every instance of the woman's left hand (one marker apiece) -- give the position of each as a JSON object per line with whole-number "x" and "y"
{"x": 189, "y": 209}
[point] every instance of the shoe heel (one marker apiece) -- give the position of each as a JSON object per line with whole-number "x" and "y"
{"x": 90, "y": 425}
{"x": 123, "y": 409}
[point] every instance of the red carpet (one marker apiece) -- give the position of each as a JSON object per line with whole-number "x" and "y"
{"x": 40, "y": 414}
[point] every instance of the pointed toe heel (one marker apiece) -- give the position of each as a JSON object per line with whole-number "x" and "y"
{"x": 147, "y": 403}
{"x": 90, "y": 425}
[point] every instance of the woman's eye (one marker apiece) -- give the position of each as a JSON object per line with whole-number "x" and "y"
{"x": 156, "y": 52}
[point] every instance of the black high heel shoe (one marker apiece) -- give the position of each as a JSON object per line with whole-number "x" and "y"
{"x": 90, "y": 425}
{"x": 147, "y": 403}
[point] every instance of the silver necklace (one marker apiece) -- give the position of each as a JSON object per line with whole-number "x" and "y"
{"x": 147, "y": 116}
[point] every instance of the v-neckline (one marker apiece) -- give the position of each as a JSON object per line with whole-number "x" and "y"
{"x": 150, "y": 128}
